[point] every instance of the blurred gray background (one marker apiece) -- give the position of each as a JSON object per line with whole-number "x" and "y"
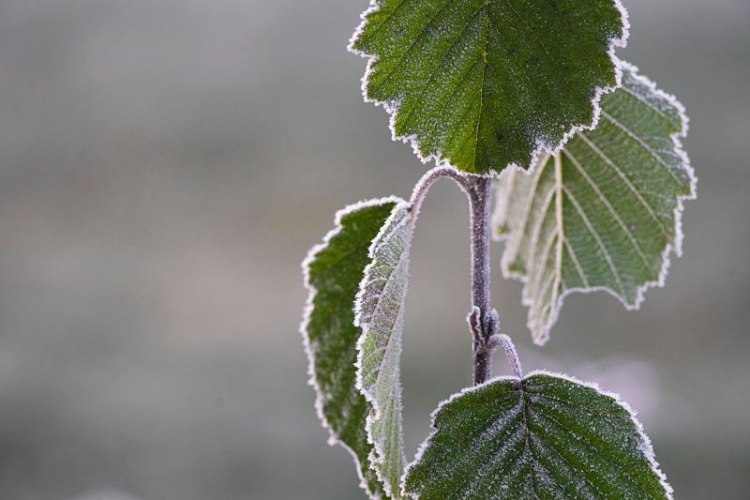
{"x": 164, "y": 167}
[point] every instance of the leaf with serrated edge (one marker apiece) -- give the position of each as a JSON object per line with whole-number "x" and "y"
{"x": 543, "y": 436}
{"x": 604, "y": 213}
{"x": 483, "y": 84}
{"x": 333, "y": 271}
{"x": 379, "y": 312}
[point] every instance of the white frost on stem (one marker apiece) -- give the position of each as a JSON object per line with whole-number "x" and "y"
{"x": 504, "y": 341}
{"x": 426, "y": 182}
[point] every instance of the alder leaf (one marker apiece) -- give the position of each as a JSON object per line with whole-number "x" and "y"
{"x": 482, "y": 84}
{"x": 333, "y": 271}
{"x": 543, "y": 436}
{"x": 604, "y": 212}
{"x": 379, "y": 312}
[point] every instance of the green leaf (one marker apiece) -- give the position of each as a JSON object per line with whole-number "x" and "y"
{"x": 379, "y": 311}
{"x": 604, "y": 213}
{"x": 543, "y": 436}
{"x": 333, "y": 271}
{"x": 482, "y": 84}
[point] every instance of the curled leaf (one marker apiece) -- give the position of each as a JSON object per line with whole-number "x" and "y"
{"x": 379, "y": 311}
{"x": 333, "y": 271}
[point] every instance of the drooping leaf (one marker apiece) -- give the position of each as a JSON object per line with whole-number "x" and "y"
{"x": 333, "y": 271}
{"x": 379, "y": 312}
{"x": 604, "y": 213}
{"x": 482, "y": 84}
{"x": 543, "y": 436}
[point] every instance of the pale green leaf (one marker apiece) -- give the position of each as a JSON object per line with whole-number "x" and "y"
{"x": 544, "y": 436}
{"x": 604, "y": 213}
{"x": 482, "y": 84}
{"x": 380, "y": 313}
{"x": 333, "y": 271}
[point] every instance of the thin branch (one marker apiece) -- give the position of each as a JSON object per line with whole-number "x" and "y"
{"x": 426, "y": 182}
{"x": 504, "y": 341}
{"x": 483, "y": 321}
{"x": 480, "y": 192}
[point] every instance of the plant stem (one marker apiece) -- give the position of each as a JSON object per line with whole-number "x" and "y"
{"x": 483, "y": 320}
{"x": 479, "y": 193}
{"x": 426, "y": 182}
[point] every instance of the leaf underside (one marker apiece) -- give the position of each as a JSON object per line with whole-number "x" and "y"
{"x": 379, "y": 312}
{"x": 482, "y": 84}
{"x": 603, "y": 213}
{"x": 333, "y": 272}
{"x": 541, "y": 437}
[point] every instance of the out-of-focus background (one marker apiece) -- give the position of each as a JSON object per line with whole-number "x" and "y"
{"x": 164, "y": 167}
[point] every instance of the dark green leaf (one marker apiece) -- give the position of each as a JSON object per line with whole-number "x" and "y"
{"x": 541, "y": 437}
{"x": 482, "y": 84}
{"x": 333, "y": 271}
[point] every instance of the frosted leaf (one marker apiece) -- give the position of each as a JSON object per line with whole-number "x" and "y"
{"x": 482, "y": 84}
{"x": 543, "y": 436}
{"x": 604, "y": 212}
{"x": 333, "y": 271}
{"x": 379, "y": 311}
